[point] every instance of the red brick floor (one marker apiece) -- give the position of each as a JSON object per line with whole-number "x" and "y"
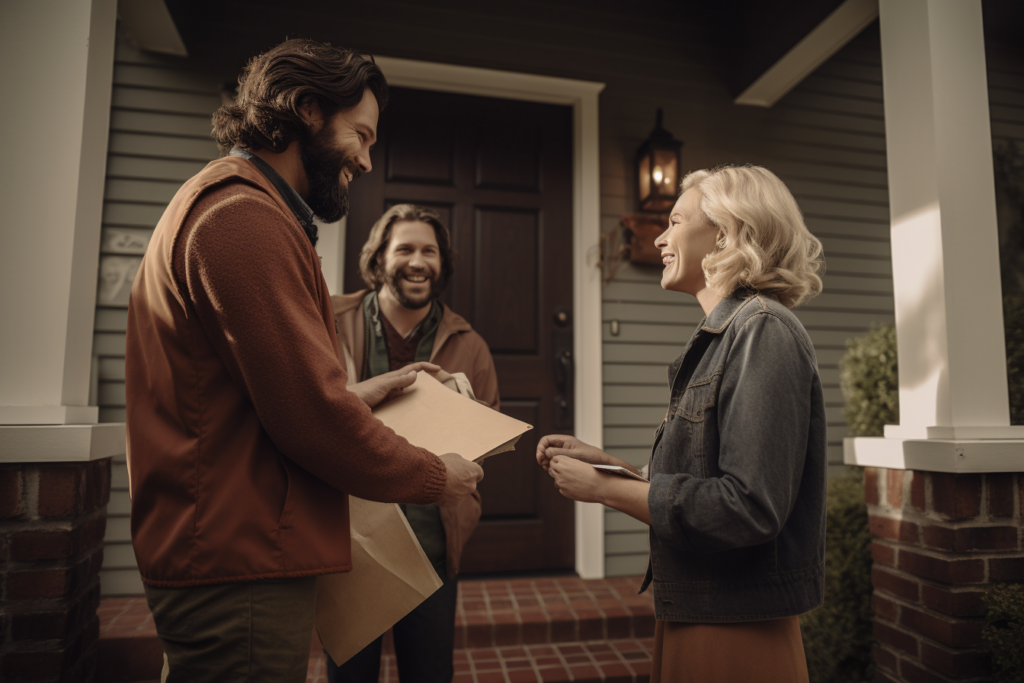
{"x": 551, "y": 610}
{"x": 610, "y": 661}
{"x": 543, "y": 629}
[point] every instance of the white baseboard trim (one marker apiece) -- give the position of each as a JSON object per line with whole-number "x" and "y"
{"x": 61, "y": 443}
{"x": 936, "y": 455}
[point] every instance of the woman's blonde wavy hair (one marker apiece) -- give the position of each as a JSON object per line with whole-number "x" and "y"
{"x": 763, "y": 243}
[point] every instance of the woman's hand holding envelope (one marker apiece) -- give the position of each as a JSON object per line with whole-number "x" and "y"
{"x": 570, "y": 462}
{"x": 569, "y": 446}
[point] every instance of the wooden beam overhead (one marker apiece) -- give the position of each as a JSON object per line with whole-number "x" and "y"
{"x": 827, "y": 38}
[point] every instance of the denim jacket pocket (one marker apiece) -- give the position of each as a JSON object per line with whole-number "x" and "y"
{"x": 697, "y": 398}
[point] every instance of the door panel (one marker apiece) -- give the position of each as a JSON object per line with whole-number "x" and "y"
{"x": 509, "y": 159}
{"x": 418, "y": 158}
{"x": 511, "y": 490}
{"x": 500, "y": 174}
{"x": 505, "y": 307}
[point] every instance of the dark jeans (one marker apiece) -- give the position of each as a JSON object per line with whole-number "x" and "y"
{"x": 424, "y": 645}
{"x": 233, "y": 632}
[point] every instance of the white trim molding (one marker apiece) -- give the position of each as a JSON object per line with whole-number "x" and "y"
{"x": 935, "y": 455}
{"x": 826, "y": 39}
{"x": 61, "y": 443}
{"x": 49, "y": 415}
{"x": 582, "y": 96}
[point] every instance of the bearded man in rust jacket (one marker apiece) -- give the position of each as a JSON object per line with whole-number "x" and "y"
{"x": 244, "y": 437}
{"x": 407, "y": 263}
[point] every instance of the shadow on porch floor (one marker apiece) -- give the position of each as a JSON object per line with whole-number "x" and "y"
{"x": 538, "y": 630}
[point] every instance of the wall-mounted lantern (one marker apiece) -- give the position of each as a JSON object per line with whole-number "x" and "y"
{"x": 658, "y": 163}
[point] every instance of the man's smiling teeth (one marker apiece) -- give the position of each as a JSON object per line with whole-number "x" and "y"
{"x": 416, "y": 278}
{"x": 668, "y": 259}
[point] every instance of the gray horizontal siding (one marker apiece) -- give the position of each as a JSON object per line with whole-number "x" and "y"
{"x": 1006, "y": 93}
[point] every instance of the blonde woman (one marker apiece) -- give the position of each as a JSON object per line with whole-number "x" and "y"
{"x": 735, "y": 495}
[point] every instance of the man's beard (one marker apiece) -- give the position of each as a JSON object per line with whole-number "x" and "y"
{"x": 323, "y": 164}
{"x": 393, "y": 281}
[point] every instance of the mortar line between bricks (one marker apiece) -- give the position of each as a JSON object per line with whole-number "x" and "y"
{"x": 533, "y": 661}
{"x": 899, "y": 627}
{"x": 67, "y": 523}
{"x": 490, "y": 615}
{"x": 515, "y": 601}
{"x": 561, "y": 658}
{"x": 622, "y": 658}
{"x": 572, "y": 612}
{"x": 903, "y": 574}
{"x": 921, "y": 607}
{"x": 504, "y": 665}
{"x": 112, "y": 623}
{"x": 544, "y": 608}
{"x": 593, "y": 660}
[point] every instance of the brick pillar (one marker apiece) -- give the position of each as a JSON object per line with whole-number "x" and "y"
{"x": 52, "y": 520}
{"x": 940, "y": 541}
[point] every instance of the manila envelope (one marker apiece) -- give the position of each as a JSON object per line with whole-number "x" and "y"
{"x": 434, "y": 417}
{"x": 391, "y": 574}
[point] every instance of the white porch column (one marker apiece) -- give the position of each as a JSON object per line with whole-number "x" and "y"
{"x": 945, "y": 245}
{"x": 56, "y": 68}
{"x": 945, "y": 248}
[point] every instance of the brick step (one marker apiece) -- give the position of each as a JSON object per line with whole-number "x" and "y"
{"x": 535, "y": 626}
{"x": 551, "y": 610}
{"x": 604, "y": 661}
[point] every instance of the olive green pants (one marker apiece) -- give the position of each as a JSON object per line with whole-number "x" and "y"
{"x": 256, "y": 631}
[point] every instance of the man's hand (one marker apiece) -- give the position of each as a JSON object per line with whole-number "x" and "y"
{"x": 561, "y": 444}
{"x": 385, "y": 387}
{"x": 463, "y": 476}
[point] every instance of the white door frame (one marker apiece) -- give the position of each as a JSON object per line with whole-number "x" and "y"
{"x": 582, "y": 96}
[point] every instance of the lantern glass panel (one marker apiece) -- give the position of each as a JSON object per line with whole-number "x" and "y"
{"x": 645, "y": 177}
{"x": 666, "y": 171}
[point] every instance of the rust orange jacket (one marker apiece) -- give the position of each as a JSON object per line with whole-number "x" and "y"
{"x": 243, "y": 440}
{"x": 457, "y": 348}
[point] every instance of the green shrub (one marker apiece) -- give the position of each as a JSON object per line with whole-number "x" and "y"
{"x": 838, "y": 635}
{"x": 868, "y": 379}
{"x": 1013, "y": 324}
{"x": 1003, "y": 634}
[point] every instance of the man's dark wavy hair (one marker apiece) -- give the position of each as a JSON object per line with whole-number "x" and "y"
{"x": 274, "y": 85}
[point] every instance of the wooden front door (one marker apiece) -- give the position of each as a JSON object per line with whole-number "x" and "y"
{"x": 499, "y": 172}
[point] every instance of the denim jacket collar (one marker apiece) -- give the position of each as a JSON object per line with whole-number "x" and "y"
{"x": 722, "y": 314}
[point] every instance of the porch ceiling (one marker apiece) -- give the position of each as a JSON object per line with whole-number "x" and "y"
{"x": 738, "y": 39}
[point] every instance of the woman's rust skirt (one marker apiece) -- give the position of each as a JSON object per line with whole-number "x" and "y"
{"x": 745, "y": 652}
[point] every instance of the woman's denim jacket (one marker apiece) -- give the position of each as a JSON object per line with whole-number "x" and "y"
{"x": 738, "y": 471}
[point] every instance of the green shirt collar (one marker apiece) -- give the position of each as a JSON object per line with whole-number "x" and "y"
{"x": 376, "y": 360}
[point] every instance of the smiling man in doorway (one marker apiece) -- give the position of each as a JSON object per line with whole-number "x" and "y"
{"x": 407, "y": 263}
{"x": 243, "y": 438}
